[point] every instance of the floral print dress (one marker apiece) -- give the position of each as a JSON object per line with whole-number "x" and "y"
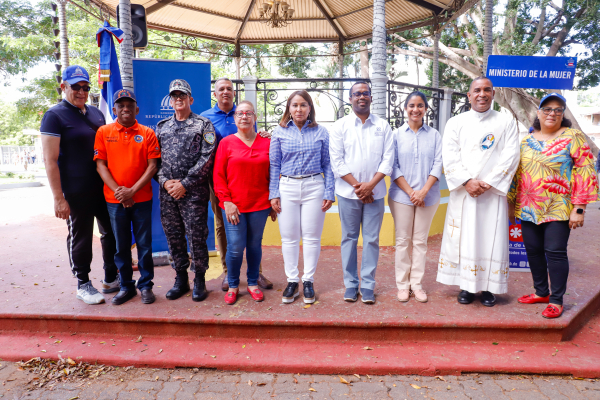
{"x": 552, "y": 176}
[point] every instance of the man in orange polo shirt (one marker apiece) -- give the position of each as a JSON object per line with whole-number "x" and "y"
{"x": 126, "y": 155}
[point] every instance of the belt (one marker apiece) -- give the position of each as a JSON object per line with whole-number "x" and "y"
{"x": 301, "y": 176}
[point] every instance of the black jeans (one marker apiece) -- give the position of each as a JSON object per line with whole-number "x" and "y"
{"x": 84, "y": 207}
{"x": 546, "y": 246}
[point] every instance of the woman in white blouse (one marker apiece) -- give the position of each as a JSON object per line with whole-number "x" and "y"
{"x": 414, "y": 194}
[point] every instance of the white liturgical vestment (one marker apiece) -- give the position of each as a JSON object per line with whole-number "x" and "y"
{"x": 474, "y": 253}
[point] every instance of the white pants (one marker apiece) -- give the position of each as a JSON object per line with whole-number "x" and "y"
{"x": 301, "y": 217}
{"x": 412, "y": 230}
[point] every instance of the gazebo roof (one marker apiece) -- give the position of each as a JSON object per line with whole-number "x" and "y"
{"x": 238, "y": 21}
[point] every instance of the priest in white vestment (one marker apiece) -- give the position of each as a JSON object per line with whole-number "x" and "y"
{"x": 480, "y": 154}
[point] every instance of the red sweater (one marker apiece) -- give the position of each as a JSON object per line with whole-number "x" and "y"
{"x": 241, "y": 173}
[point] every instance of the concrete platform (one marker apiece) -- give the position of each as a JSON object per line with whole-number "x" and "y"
{"x": 37, "y": 301}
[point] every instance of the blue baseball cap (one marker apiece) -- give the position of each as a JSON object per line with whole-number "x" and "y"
{"x": 553, "y": 96}
{"x": 123, "y": 94}
{"x": 75, "y": 73}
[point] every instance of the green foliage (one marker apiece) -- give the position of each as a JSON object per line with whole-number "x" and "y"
{"x": 12, "y": 125}
{"x": 295, "y": 67}
{"x": 24, "y": 33}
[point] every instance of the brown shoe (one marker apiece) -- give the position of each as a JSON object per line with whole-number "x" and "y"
{"x": 225, "y": 284}
{"x": 264, "y": 283}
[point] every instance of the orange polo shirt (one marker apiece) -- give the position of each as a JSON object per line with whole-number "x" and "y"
{"x": 126, "y": 151}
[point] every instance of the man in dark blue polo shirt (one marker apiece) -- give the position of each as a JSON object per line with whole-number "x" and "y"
{"x": 68, "y": 133}
{"x": 221, "y": 116}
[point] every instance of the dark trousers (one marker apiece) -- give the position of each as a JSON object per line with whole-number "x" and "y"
{"x": 246, "y": 235}
{"x": 546, "y": 246}
{"x": 84, "y": 208}
{"x": 122, "y": 219}
{"x": 189, "y": 218}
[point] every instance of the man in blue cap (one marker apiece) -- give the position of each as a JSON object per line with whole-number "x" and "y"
{"x": 68, "y": 132}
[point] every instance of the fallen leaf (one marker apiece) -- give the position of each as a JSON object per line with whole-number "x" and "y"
{"x": 312, "y": 390}
{"x": 415, "y": 386}
{"x": 102, "y": 342}
{"x": 214, "y": 356}
{"x": 441, "y": 378}
{"x": 306, "y": 306}
{"x": 449, "y": 387}
{"x": 357, "y": 375}
{"x": 295, "y": 380}
{"x": 342, "y": 380}
{"x": 156, "y": 378}
{"x": 83, "y": 342}
{"x": 261, "y": 384}
{"x": 249, "y": 383}
{"x": 177, "y": 378}
{"x": 139, "y": 339}
{"x": 71, "y": 362}
{"x": 495, "y": 343}
{"x": 367, "y": 348}
{"x": 160, "y": 351}
{"x": 244, "y": 346}
{"x": 74, "y": 398}
{"x": 43, "y": 351}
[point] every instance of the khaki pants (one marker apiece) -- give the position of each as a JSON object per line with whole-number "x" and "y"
{"x": 412, "y": 230}
{"x": 220, "y": 227}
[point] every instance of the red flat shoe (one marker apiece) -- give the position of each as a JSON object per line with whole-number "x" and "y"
{"x": 552, "y": 311}
{"x": 256, "y": 295}
{"x": 531, "y": 299}
{"x": 231, "y": 297}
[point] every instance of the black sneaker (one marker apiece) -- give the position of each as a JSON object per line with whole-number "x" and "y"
{"x": 290, "y": 293}
{"x": 309, "y": 292}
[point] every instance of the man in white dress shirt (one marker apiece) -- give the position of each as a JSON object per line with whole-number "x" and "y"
{"x": 480, "y": 154}
{"x": 361, "y": 148}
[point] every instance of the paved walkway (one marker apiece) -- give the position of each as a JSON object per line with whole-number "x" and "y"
{"x": 183, "y": 383}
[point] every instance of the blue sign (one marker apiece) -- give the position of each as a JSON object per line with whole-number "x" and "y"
{"x": 517, "y": 255}
{"x": 535, "y": 72}
{"x": 151, "y": 80}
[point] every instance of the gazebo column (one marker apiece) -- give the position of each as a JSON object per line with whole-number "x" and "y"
{"x": 62, "y": 27}
{"x": 341, "y": 84}
{"x": 126, "y": 60}
{"x": 488, "y": 34}
{"x": 238, "y": 60}
{"x": 379, "y": 59}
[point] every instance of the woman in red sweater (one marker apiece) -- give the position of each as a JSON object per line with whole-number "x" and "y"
{"x": 241, "y": 179}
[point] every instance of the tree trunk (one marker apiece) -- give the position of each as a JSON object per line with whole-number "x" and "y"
{"x": 379, "y": 59}
{"x": 488, "y": 34}
{"x": 126, "y": 45}
{"x": 63, "y": 35}
{"x": 364, "y": 61}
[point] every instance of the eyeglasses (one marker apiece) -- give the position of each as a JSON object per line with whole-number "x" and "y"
{"x": 548, "y": 110}
{"x": 241, "y": 114}
{"x": 77, "y": 87}
{"x": 180, "y": 96}
{"x": 361, "y": 94}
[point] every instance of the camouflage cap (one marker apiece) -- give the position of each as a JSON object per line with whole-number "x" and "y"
{"x": 181, "y": 85}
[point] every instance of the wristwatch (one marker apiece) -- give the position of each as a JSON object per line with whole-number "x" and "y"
{"x": 580, "y": 210}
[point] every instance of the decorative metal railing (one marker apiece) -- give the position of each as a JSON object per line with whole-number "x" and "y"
{"x": 460, "y": 103}
{"x": 331, "y": 97}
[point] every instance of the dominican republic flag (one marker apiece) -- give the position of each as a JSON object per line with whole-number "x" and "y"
{"x": 109, "y": 76}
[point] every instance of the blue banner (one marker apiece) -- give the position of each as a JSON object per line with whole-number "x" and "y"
{"x": 516, "y": 248}
{"x": 151, "y": 80}
{"x": 536, "y": 72}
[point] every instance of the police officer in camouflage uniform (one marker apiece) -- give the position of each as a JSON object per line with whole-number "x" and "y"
{"x": 187, "y": 143}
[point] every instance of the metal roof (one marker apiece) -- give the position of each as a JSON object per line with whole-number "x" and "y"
{"x": 238, "y": 21}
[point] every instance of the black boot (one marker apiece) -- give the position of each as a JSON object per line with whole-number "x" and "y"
{"x": 199, "y": 293}
{"x": 181, "y": 286}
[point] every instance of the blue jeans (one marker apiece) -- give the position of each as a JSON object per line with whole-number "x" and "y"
{"x": 353, "y": 214}
{"x": 122, "y": 219}
{"x": 247, "y": 234}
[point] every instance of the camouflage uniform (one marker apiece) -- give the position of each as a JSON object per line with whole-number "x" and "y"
{"x": 187, "y": 155}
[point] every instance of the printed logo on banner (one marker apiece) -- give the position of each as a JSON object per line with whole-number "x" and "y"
{"x": 165, "y": 104}
{"x": 517, "y": 255}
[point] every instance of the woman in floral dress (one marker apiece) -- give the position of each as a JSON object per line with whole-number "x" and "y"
{"x": 555, "y": 181}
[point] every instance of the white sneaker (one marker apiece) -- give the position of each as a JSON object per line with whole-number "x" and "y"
{"x": 89, "y": 294}
{"x": 111, "y": 287}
